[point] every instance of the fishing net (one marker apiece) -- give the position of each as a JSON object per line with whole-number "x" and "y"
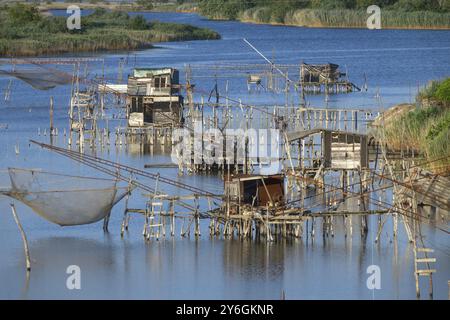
{"x": 63, "y": 199}
{"x": 5, "y": 184}
{"x": 41, "y": 79}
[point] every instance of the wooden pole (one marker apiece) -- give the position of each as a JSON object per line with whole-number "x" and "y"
{"x": 51, "y": 116}
{"x": 24, "y": 238}
{"x": 172, "y": 216}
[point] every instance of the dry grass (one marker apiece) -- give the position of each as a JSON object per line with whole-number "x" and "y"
{"x": 424, "y": 130}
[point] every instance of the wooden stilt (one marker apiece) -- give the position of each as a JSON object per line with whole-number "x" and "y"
{"x": 24, "y": 238}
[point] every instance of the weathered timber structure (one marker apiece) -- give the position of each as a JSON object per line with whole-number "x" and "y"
{"x": 318, "y": 78}
{"x": 255, "y": 190}
{"x": 336, "y": 150}
{"x": 153, "y": 97}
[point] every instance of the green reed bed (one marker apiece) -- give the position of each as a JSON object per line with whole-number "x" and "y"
{"x": 417, "y": 14}
{"x": 345, "y": 18}
{"x": 24, "y": 32}
{"x": 425, "y": 129}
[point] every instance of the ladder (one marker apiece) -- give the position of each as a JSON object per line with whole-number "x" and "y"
{"x": 83, "y": 116}
{"x": 151, "y": 228}
{"x": 422, "y": 267}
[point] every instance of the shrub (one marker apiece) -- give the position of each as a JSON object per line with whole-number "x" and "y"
{"x": 443, "y": 91}
{"x": 21, "y": 13}
{"x": 138, "y": 23}
{"x": 145, "y": 4}
{"x": 437, "y": 91}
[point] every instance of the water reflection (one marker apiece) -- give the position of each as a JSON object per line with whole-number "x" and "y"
{"x": 253, "y": 261}
{"x": 51, "y": 257}
{"x": 215, "y": 268}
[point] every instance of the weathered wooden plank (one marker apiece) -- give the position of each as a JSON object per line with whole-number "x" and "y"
{"x": 425, "y": 260}
{"x": 425, "y": 250}
{"x": 426, "y": 272}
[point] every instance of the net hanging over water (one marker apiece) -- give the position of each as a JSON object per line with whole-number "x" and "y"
{"x": 63, "y": 199}
{"x": 39, "y": 79}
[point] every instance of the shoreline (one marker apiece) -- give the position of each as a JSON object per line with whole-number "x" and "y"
{"x": 335, "y": 18}
{"x": 333, "y": 27}
{"x": 194, "y": 9}
{"x": 25, "y": 53}
{"x": 44, "y": 7}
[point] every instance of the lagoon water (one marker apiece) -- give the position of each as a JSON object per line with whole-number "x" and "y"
{"x": 395, "y": 62}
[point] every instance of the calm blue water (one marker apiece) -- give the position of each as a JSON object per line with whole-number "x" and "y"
{"x": 396, "y": 63}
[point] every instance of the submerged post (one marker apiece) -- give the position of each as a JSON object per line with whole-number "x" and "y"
{"x": 51, "y": 117}
{"x": 24, "y": 237}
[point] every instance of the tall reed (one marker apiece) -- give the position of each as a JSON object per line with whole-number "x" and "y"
{"x": 348, "y": 18}
{"x": 425, "y": 130}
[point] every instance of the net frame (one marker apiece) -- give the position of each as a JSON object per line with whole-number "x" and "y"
{"x": 64, "y": 199}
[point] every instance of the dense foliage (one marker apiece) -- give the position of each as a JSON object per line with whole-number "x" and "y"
{"x": 426, "y": 128}
{"x": 230, "y": 8}
{"x": 443, "y": 92}
{"x": 145, "y": 4}
{"x": 23, "y": 31}
{"x": 397, "y": 13}
{"x": 437, "y": 92}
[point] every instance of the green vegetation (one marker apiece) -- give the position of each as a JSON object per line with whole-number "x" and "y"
{"x": 443, "y": 92}
{"x": 436, "y": 93}
{"x": 145, "y": 4}
{"x": 425, "y": 129}
{"x": 137, "y": 5}
{"x": 331, "y": 13}
{"x": 24, "y": 32}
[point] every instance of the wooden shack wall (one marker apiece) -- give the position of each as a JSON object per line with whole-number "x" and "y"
{"x": 327, "y": 139}
{"x": 364, "y": 152}
{"x": 275, "y": 187}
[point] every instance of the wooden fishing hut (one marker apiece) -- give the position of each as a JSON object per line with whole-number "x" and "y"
{"x": 255, "y": 190}
{"x": 153, "y": 97}
{"x": 337, "y": 149}
{"x": 318, "y": 78}
{"x": 323, "y": 150}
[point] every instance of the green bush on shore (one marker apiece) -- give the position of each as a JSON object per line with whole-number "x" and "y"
{"x": 443, "y": 92}
{"x": 425, "y": 129}
{"x": 437, "y": 92}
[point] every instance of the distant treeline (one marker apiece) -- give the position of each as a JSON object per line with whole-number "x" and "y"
{"x": 332, "y": 13}
{"x": 25, "y": 32}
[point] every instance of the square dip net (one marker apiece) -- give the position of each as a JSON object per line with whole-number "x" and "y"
{"x": 63, "y": 199}
{"x": 40, "y": 79}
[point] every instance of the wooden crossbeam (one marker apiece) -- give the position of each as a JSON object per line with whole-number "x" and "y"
{"x": 425, "y": 260}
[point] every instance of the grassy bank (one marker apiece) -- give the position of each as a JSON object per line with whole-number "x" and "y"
{"x": 395, "y": 14}
{"x": 424, "y": 128}
{"x": 144, "y": 6}
{"x": 25, "y": 32}
{"x": 346, "y": 18}
{"x": 116, "y": 6}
